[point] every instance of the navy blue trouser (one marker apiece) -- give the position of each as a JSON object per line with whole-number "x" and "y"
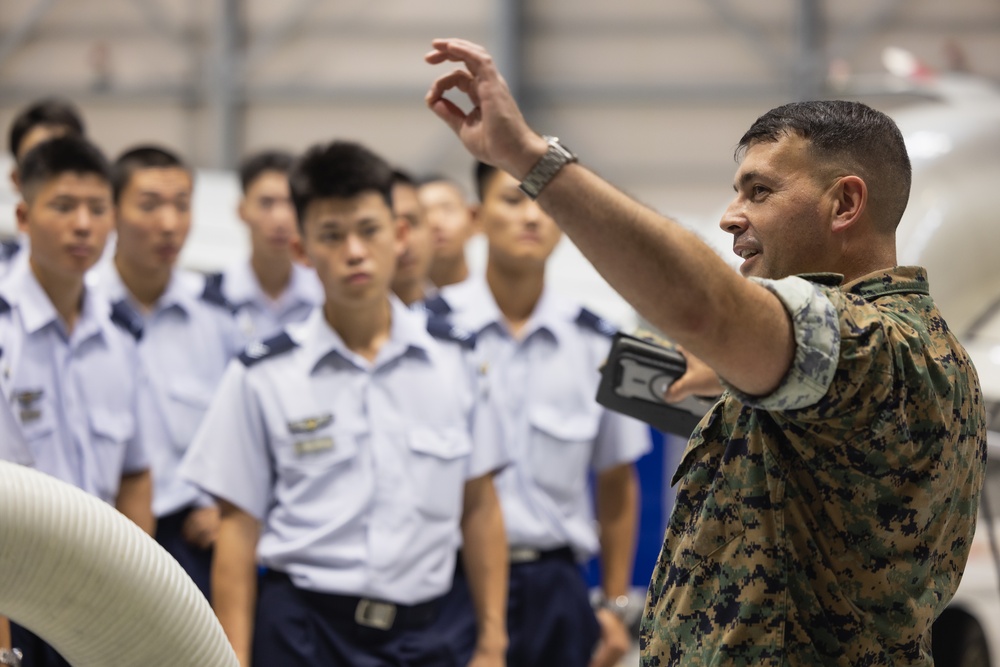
{"x": 550, "y": 622}
{"x": 196, "y": 562}
{"x": 36, "y": 652}
{"x": 298, "y": 628}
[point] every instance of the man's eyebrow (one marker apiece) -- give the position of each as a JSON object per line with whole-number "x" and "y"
{"x": 744, "y": 179}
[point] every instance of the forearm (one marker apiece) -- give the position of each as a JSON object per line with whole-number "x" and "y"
{"x": 485, "y": 559}
{"x": 5, "y": 639}
{"x": 234, "y": 579}
{"x": 617, "y": 517}
{"x": 135, "y": 500}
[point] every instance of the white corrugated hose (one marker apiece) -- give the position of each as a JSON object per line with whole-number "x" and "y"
{"x": 93, "y": 585}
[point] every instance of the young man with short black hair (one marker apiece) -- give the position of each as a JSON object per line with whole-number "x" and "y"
{"x": 452, "y": 224}
{"x": 69, "y": 358}
{"x": 185, "y": 345}
{"x": 351, "y": 455}
{"x": 270, "y": 290}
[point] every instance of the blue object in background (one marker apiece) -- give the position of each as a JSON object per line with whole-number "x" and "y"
{"x": 655, "y": 501}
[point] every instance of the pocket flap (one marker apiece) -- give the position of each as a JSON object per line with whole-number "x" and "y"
{"x": 446, "y": 443}
{"x": 117, "y": 426}
{"x": 576, "y": 426}
{"x": 191, "y": 392}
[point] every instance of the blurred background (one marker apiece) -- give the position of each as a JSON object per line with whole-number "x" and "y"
{"x": 652, "y": 94}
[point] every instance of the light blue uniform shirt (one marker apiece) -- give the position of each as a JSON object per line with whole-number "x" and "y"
{"x": 185, "y": 346}
{"x": 73, "y": 394}
{"x": 13, "y": 448}
{"x": 257, "y": 314}
{"x": 544, "y": 386}
{"x": 355, "y": 469}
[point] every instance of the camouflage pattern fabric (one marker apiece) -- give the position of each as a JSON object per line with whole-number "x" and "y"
{"x": 832, "y": 533}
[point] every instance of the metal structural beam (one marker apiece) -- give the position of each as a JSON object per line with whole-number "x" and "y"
{"x": 225, "y": 95}
{"x": 811, "y": 65}
{"x": 20, "y": 32}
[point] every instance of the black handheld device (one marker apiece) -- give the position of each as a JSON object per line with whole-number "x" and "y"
{"x": 637, "y": 374}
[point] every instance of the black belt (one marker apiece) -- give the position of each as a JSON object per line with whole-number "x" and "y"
{"x": 366, "y": 612}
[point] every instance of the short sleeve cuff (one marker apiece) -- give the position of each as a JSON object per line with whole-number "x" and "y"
{"x": 816, "y": 328}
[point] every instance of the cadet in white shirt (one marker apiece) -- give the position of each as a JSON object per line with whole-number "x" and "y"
{"x": 352, "y": 455}
{"x": 270, "y": 290}
{"x": 69, "y": 362}
{"x": 411, "y": 282}
{"x": 40, "y": 121}
{"x": 452, "y": 224}
{"x": 544, "y": 355}
{"x": 185, "y": 346}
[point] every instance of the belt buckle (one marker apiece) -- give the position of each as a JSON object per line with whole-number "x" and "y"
{"x": 524, "y": 555}
{"x": 374, "y": 614}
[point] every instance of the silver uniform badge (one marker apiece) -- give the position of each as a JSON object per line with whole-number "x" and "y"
{"x": 313, "y": 446}
{"x": 310, "y": 424}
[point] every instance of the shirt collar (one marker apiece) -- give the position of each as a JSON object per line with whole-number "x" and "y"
{"x": 477, "y": 309}
{"x": 897, "y": 280}
{"x": 407, "y": 334}
{"x": 240, "y": 285}
{"x": 37, "y": 310}
{"x": 178, "y": 294}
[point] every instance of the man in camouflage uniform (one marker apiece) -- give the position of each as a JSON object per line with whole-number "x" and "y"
{"x": 827, "y": 503}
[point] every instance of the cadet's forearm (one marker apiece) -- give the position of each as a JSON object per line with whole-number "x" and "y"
{"x": 5, "y": 639}
{"x": 234, "y": 578}
{"x": 135, "y": 500}
{"x": 674, "y": 280}
{"x": 617, "y": 516}
{"x": 485, "y": 559}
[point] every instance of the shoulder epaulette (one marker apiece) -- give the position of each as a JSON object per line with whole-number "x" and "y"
{"x": 271, "y": 347}
{"x": 212, "y": 293}
{"x": 594, "y": 321}
{"x": 4, "y": 306}
{"x": 123, "y": 315}
{"x": 9, "y": 248}
{"x": 441, "y": 328}
{"x": 437, "y": 306}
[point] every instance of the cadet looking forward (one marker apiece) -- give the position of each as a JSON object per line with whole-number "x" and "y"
{"x": 543, "y": 353}
{"x": 69, "y": 361}
{"x": 450, "y": 220}
{"x": 185, "y": 344}
{"x": 826, "y": 505}
{"x": 352, "y": 454}
{"x": 269, "y": 290}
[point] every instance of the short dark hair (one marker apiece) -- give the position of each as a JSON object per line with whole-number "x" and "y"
{"x": 337, "y": 170}
{"x": 852, "y": 135}
{"x": 59, "y": 156}
{"x": 441, "y": 178}
{"x": 483, "y": 173}
{"x": 142, "y": 157}
{"x": 49, "y": 111}
{"x": 403, "y": 177}
{"x": 256, "y": 164}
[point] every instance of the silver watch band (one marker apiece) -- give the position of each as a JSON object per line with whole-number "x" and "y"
{"x": 11, "y": 657}
{"x": 557, "y": 157}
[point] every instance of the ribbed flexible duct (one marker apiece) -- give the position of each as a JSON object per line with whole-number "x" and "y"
{"x": 92, "y": 584}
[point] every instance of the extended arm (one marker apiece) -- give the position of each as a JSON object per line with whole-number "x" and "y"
{"x": 135, "y": 500}
{"x": 484, "y": 557}
{"x": 670, "y": 276}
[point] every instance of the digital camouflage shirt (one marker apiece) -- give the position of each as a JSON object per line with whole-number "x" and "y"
{"x": 829, "y": 522}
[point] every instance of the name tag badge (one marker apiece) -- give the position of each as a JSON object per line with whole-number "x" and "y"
{"x": 313, "y": 446}
{"x": 28, "y": 416}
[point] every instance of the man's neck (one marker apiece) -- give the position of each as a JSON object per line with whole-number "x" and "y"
{"x": 145, "y": 286}
{"x": 65, "y": 293}
{"x": 516, "y": 292}
{"x": 449, "y": 271}
{"x": 364, "y": 328}
{"x": 273, "y": 271}
{"x": 410, "y": 292}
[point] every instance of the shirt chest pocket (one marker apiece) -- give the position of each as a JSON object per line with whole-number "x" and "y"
{"x": 309, "y": 454}
{"x": 187, "y": 402}
{"x": 439, "y": 460}
{"x": 560, "y": 448}
{"x": 111, "y": 432}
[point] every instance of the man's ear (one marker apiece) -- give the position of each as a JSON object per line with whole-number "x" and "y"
{"x": 241, "y": 209}
{"x": 15, "y": 178}
{"x": 850, "y": 201}
{"x": 21, "y": 212}
{"x": 402, "y": 234}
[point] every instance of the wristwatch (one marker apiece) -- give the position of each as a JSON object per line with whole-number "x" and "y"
{"x": 557, "y": 157}
{"x": 618, "y": 606}
{"x": 10, "y": 657}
